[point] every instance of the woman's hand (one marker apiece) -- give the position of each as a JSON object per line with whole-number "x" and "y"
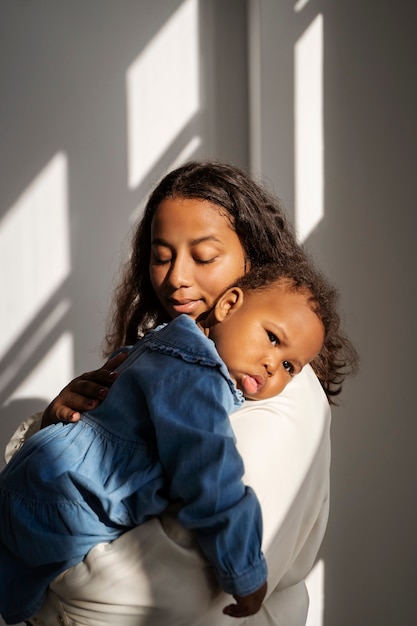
{"x": 84, "y": 393}
{"x": 247, "y": 605}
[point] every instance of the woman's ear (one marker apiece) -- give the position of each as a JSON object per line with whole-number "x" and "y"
{"x": 230, "y": 301}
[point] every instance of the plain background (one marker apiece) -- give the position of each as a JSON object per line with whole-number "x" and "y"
{"x": 63, "y": 67}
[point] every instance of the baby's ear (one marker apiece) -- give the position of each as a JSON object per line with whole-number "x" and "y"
{"x": 231, "y": 300}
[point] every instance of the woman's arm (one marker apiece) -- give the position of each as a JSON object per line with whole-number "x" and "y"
{"x": 25, "y": 430}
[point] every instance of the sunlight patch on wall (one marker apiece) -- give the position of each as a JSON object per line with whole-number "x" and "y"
{"x": 51, "y": 373}
{"x": 162, "y": 91}
{"x": 34, "y": 249}
{"x": 309, "y": 143}
{"x": 315, "y": 586}
{"x": 299, "y": 6}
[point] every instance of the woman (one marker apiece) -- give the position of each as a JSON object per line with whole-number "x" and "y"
{"x": 204, "y": 226}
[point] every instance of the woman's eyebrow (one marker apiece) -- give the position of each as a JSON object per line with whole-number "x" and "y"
{"x": 203, "y": 239}
{"x": 159, "y": 241}
{"x": 193, "y": 242}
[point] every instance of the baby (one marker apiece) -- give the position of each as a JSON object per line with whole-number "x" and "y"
{"x": 163, "y": 435}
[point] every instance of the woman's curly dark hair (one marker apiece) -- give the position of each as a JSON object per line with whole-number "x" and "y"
{"x": 267, "y": 238}
{"x": 257, "y": 218}
{"x": 338, "y": 357}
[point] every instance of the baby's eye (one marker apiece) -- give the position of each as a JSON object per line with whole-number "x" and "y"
{"x": 272, "y": 338}
{"x": 288, "y": 367}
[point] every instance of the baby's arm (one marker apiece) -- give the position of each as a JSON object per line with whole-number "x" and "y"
{"x": 246, "y": 605}
{"x": 197, "y": 450}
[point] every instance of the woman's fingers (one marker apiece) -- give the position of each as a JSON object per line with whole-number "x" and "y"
{"x": 84, "y": 393}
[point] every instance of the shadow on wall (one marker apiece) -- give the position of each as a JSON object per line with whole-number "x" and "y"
{"x": 67, "y": 70}
{"x": 64, "y": 128}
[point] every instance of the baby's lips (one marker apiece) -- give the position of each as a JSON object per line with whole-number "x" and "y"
{"x": 251, "y": 384}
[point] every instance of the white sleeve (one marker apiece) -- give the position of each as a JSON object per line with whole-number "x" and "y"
{"x": 27, "y": 428}
{"x": 154, "y": 574}
{"x": 285, "y": 443}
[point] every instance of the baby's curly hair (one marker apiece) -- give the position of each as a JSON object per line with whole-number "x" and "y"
{"x": 338, "y": 357}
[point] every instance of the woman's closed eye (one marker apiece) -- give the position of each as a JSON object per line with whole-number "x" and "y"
{"x": 160, "y": 255}
{"x": 200, "y": 261}
{"x": 158, "y": 261}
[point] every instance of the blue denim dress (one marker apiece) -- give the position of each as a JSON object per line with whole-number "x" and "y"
{"x": 162, "y": 435}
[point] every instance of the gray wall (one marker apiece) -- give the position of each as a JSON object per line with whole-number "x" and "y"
{"x": 369, "y": 246}
{"x": 62, "y": 87}
{"x": 62, "y": 81}
{"x": 366, "y": 242}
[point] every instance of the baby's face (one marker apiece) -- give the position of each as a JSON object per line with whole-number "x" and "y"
{"x": 268, "y": 340}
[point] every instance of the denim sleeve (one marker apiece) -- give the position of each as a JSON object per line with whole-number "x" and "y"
{"x": 197, "y": 449}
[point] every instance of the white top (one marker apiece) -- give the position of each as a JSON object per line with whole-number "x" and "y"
{"x": 154, "y": 574}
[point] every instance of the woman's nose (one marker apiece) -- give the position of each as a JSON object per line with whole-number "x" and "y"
{"x": 179, "y": 274}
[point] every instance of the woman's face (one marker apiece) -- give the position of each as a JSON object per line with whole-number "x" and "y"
{"x": 195, "y": 255}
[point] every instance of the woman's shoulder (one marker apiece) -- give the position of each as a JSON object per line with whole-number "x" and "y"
{"x": 301, "y": 408}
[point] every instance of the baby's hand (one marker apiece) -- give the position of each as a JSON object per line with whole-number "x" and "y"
{"x": 247, "y": 605}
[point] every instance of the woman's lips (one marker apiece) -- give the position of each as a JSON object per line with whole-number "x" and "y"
{"x": 186, "y": 306}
